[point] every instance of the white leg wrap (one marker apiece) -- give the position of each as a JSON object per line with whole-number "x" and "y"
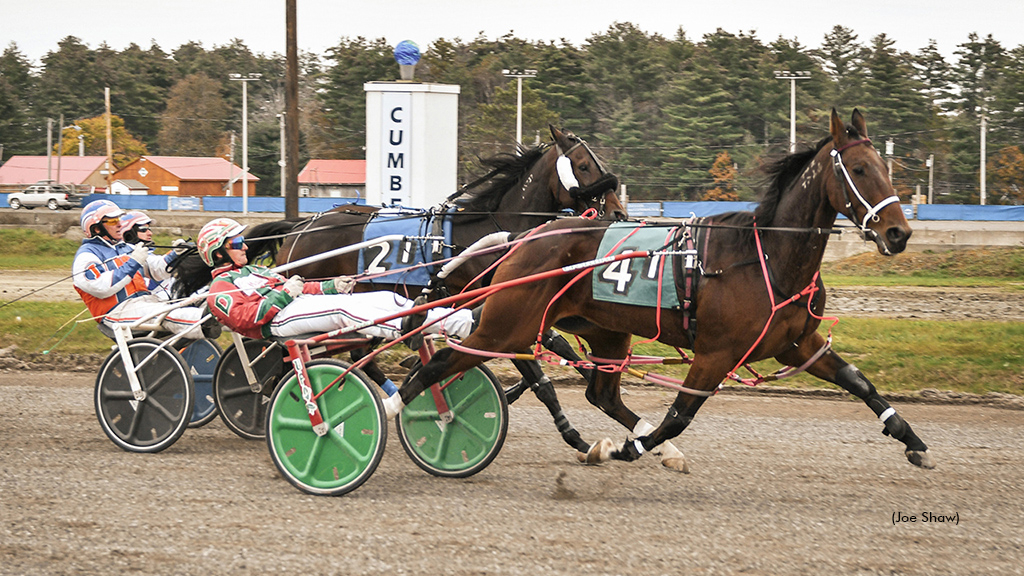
{"x": 392, "y": 406}
{"x": 665, "y": 449}
{"x": 886, "y": 414}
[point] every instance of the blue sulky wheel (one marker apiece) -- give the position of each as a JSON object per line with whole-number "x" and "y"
{"x": 348, "y": 454}
{"x": 461, "y": 443}
{"x": 244, "y": 410}
{"x": 158, "y": 420}
{"x": 201, "y": 357}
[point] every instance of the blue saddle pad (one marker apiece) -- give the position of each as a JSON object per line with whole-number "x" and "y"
{"x": 635, "y": 281}
{"x": 402, "y": 258}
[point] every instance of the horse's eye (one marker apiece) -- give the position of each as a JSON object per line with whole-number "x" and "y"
{"x": 584, "y": 167}
{"x": 858, "y": 170}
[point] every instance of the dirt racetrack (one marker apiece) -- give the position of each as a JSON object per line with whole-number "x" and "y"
{"x": 779, "y": 485}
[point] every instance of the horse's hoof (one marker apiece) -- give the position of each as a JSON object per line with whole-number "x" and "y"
{"x": 677, "y": 464}
{"x": 922, "y": 459}
{"x": 600, "y": 452}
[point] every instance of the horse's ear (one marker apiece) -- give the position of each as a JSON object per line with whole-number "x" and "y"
{"x": 837, "y": 129}
{"x": 559, "y": 138}
{"x": 859, "y": 124}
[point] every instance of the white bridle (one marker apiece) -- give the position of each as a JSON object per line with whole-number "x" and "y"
{"x": 871, "y": 212}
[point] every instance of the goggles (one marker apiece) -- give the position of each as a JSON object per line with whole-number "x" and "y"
{"x": 142, "y": 229}
{"x": 110, "y": 220}
{"x": 236, "y": 243}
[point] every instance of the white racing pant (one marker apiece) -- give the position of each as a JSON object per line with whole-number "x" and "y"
{"x": 321, "y": 313}
{"x": 183, "y": 319}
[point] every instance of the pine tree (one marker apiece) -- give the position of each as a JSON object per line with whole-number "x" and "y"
{"x": 195, "y": 119}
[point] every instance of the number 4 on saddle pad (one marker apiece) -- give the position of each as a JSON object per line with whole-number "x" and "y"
{"x": 635, "y": 280}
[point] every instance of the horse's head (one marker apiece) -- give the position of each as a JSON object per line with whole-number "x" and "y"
{"x": 860, "y": 188}
{"x": 579, "y": 179}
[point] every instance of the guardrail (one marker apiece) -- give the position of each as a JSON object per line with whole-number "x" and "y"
{"x": 150, "y": 202}
{"x": 967, "y": 212}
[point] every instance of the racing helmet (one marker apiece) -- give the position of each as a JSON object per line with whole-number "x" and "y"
{"x": 134, "y": 218}
{"x": 97, "y": 211}
{"x": 129, "y": 220}
{"x": 213, "y": 235}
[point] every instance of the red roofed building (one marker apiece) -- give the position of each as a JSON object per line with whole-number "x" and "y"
{"x": 187, "y": 176}
{"x": 82, "y": 171}
{"x": 333, "y": 179}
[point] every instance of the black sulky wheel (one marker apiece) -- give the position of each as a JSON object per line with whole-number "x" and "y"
{"x": 244, "y": 410}
{"x": 157, "y": 420}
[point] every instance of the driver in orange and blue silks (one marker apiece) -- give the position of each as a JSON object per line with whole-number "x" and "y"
{"x": 112, "y": 277}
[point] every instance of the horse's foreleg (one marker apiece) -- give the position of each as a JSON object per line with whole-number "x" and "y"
{"x": 834, "y": 369}
{"x": 604, "y": 392}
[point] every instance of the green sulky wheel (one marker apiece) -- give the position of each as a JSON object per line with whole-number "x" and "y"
{"x": 344, "y": 458}
{"x": 471, "y": 439}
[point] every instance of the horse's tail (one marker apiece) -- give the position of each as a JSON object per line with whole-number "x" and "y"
{"x": 265, "y": 239}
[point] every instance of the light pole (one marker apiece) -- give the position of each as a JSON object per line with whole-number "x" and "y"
{"x": 519, "y": 75}
{"x": 792, "y": 77}
{"x": 245, "y": 135}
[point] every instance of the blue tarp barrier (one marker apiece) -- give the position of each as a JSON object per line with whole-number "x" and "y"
{"x": 969, "y": 212}
{"x": 639, "y": 209}
{"x": 683, "y": 209}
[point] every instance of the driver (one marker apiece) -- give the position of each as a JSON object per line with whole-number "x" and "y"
{"x": 112, "y": 276}
{"x": 258, "y": 303}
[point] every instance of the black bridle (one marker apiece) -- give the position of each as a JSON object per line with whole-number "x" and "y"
{"x": 596, "y": 191}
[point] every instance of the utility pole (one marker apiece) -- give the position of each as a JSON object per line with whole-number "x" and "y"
{"x": 889, "y": 147}
{"x": 291, "y": 105}
{"x": 931, "y": 175}
{"x": 110, "y": 139}
{"x": 519, "y": 75}
{"x": 982, "y": 177}
{"x": 231, "y": 167}
{"x": 283, "y": 161}
{"x": 49, "y": 147}
{"x": 245, "y": 135}
{"x": 60, "y": 145}
{"x": 792, "y": 77}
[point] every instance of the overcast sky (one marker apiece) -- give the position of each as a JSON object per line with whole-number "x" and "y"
{"x": 37, "y": 25}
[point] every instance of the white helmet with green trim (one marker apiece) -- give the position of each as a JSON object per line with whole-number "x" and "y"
{"x": 213, "y": 235}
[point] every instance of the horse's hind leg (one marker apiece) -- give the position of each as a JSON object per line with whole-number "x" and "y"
{"x": 836, "y": 370}
{"x": 545, "y": 392}
{"x": 604, "y": 392}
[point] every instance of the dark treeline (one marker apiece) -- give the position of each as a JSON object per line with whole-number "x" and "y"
{"x": 677, "y": 119}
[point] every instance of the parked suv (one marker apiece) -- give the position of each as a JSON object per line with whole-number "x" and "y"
{"x": 46, "y": 193}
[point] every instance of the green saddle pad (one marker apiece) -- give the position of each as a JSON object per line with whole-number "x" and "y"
{"x": 635, "y": 280}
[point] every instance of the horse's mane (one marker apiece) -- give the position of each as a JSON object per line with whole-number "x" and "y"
{"x": 507, "y": 170}
{"x": 779, "y": 176}
{"x": 190, "y": 274}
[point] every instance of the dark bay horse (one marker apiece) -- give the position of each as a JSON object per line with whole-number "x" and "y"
{"x": 521, "y": 192}
{"x": 752, "y": 261}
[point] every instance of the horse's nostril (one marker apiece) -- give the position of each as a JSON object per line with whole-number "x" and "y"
{"x": 897, "y": 237}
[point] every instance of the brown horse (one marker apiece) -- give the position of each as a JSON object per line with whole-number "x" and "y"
{"x": 751, "y": 261}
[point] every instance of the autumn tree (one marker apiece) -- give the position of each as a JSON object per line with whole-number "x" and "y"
{"x": 1006, "y": 176}
{"x": 195, "y": 118}
{"x": 723, "y": 173}
{"x": 125, "y": 147}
